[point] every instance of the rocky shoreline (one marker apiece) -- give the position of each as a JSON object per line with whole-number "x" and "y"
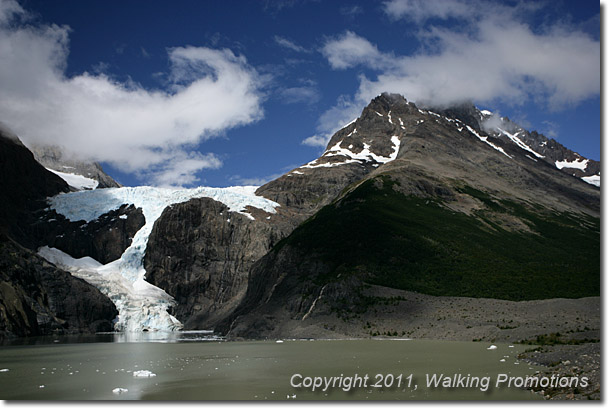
{"x": 568, "y": 361}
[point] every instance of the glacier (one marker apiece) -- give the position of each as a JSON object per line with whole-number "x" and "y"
{"x": 141, "y": 305}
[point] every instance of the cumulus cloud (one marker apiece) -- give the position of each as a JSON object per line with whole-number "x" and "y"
{"x": 317, "y": 140}
{"x": 8, "y": 10}
{"x": 181, "y": 169}
{"x": 498, "y": 57}
{"x": 508, "y": 62}
{"x": 96, "y": 117}
{"x": 349, "y": 50}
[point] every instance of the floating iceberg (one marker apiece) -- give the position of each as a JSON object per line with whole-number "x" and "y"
{"x": 144, "y": 373}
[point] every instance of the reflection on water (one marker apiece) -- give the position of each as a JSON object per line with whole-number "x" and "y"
{"x": 167, "y": 337}
{"x": 118, "y": 337}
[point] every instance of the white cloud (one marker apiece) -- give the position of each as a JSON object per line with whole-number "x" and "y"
{"x": 98, "y": 118}
{"x": 491, "y": 124}
{"x": 497, "y": 57}
{"x": 305, "y": 94}
{"x": 8, "y": 10}
{"x": 256, "y": 181}
{"x": 289, "y": 44}
{"x": 181, "y": 169}
{"x": 350, "y": 49}
{"x": 500, "y": 62}
{"x": 466, "y": 11}
{"x": 317, "y": 140}
{"x": 422, "y": 10}
{"x": 334, "y": 119}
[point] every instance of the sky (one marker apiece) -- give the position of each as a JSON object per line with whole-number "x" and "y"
{"x": 221, "y": 93}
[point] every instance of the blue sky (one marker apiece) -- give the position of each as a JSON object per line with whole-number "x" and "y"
{"x": 239, "y": 92}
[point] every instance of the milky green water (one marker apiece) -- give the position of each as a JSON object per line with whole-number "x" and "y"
{"x": 213, "y": 370}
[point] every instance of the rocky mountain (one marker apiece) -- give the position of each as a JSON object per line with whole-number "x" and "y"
{"x": 537, "y": 145}
{"x": 24, "y": 185}
{"x": 36, "y": 297}
{"x": 77, "y": 173}
{"x": 442, "y": 207}
{"x": 453, "y": 202}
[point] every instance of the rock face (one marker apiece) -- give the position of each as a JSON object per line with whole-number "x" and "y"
{"x": 443, "y": 208}
{"x": 352, "y": 153}
{"x": 24, "y": 186}
{"x": 54, "y": 158}
{"x": 104, "y": 239}
{"x": 36, "y": 298}
{"x": 203, "y": 261}
{"x": 547, "y": 149}
{"x": 200, "y": 253}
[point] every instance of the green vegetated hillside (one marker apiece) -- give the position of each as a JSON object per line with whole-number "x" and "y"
{"x": 407, "y": 242}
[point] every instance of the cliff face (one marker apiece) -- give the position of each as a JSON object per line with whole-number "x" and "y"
{"x": 24, "y": 186}
{"x": 36, "y": 298}
{"x": 200, "y": 253}
{"x": 104, "y": 239}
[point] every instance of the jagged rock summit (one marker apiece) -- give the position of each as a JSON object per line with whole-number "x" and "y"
{"x": 374, "y": 138}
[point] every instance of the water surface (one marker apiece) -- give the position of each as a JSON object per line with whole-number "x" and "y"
{"x": 197, "y": 368}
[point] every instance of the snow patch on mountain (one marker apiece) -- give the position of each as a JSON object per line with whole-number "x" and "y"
{"x": 124, "y": 279}
{"x": 514, "y": 138}
{"x": 76, "y": 181}
{"x": 365, "y": 155}
{"x": 485, "y": 140}
{"x": 577, "y": 164}
{"x": 593, "y": 180}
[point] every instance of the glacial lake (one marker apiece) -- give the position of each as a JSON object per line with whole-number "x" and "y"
{"x": 194, "y": 366}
